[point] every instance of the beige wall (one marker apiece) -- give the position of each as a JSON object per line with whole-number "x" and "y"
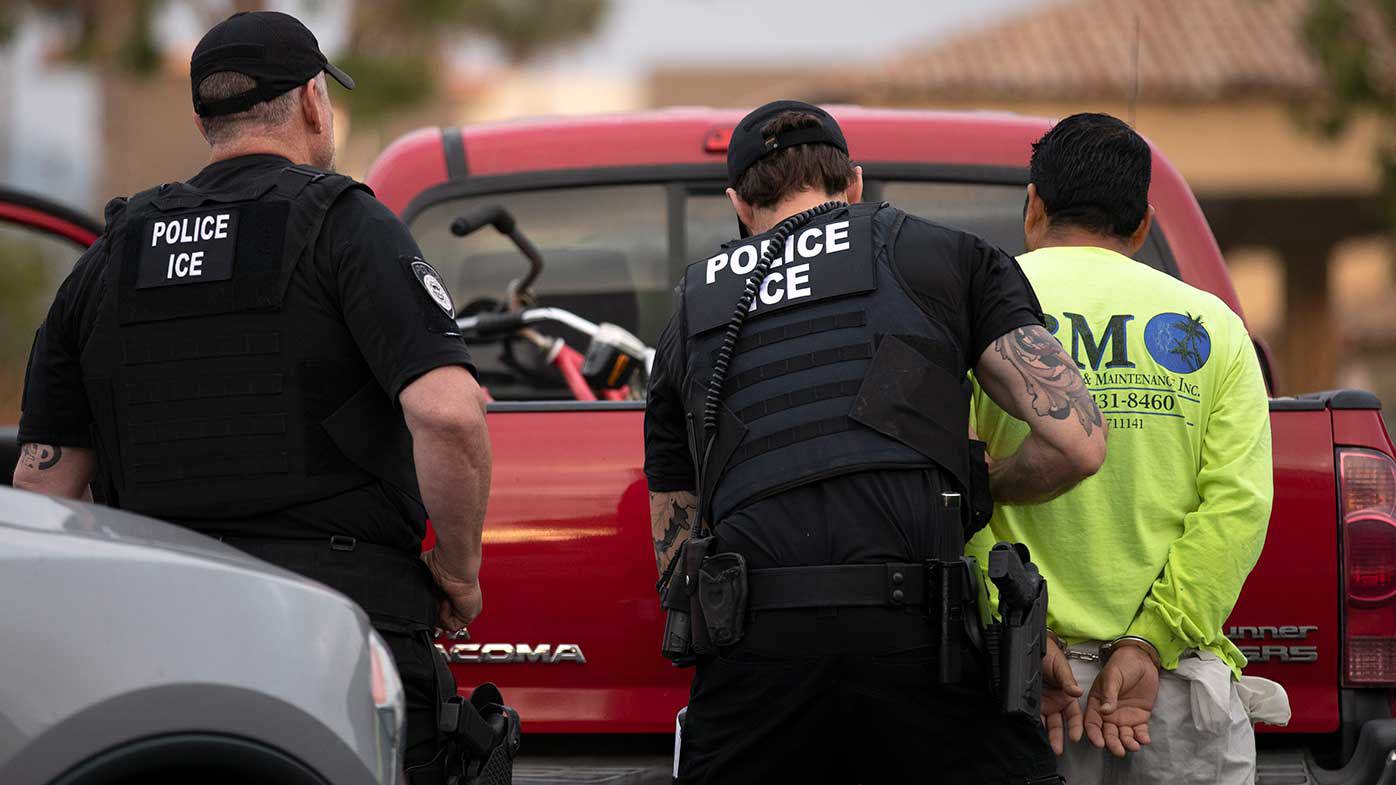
{"x": 1246, "y": 147}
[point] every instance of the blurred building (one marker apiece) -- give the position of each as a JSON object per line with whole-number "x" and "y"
{"x": 1216, "y": 85}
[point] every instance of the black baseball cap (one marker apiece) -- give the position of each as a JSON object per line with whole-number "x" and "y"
{"x": 273, "y": 48}
{"x": 749, "y": 145}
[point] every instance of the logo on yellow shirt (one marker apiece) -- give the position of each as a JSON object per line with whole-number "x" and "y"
{"x": 1178, "y": 342}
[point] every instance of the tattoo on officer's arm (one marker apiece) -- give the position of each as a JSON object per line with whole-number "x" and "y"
{"x": 40, "y": 456}
{"x": 1053, "y": 381}
{"x": 671, "y": 521}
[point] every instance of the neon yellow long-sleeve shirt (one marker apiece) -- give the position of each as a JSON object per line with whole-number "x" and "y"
{"x": 1160, "y": 540}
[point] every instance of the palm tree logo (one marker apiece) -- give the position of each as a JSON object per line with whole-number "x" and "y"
{"x": 1188, "y": 347}
{"x": 1178, "y": 342}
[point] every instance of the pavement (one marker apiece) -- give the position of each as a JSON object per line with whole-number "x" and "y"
{"x": 595, "y": 760}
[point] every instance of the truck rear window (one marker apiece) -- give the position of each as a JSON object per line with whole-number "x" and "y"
{"x": 614, "y": 252}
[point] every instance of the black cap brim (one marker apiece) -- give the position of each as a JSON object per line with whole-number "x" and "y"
{"x": 339, "y": 76}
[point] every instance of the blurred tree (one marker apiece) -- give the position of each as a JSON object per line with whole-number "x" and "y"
{"x": 1355, "y": 43}
{"x": 396, "y": 49}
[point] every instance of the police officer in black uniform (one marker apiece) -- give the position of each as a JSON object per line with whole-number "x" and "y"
{"x": 261, "y": 354}
{"x": 817, "y": 415}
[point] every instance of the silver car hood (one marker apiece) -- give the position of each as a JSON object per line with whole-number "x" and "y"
{"x": 32, "y": 512}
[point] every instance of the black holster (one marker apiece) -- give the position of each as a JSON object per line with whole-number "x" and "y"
{"x": 478, "y": 741}
{"x": 685, "y": 629}
{"x": 1017, "y": 642}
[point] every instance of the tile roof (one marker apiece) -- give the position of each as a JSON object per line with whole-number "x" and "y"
{"x": 1186, "y": 50}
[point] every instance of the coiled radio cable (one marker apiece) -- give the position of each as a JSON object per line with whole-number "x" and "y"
{"x": 723, "y": 361}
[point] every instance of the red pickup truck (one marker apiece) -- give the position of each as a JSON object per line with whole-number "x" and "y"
{"x": 615, "y": 206}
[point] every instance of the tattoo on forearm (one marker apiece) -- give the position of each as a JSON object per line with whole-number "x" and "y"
{"x": 678, "y": 521}
{"x": 670, "y": 524}
{"x": 40, "y": 456}
{"x": 1051, "y": 376}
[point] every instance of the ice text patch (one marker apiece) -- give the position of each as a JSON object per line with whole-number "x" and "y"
{"x": 821, "y": 261}
{"x": 188, "y": 248}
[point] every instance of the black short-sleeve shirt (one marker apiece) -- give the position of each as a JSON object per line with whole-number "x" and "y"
{"x": 355, "y": 272}
{"x": 976, "y": 290}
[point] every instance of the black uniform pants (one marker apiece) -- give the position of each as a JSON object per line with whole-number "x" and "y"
{"x": 415, "y": 656}
{"x": 816, "y": 698}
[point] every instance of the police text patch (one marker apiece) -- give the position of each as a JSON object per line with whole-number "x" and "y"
{"x": 431, "y": 281}
{"x": 188, "y": 248}
{"x": 820, "y": 261}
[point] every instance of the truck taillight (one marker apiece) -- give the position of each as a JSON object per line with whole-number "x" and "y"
{"x": 1367, "y": 486}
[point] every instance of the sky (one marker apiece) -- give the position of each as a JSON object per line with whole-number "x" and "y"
{"x": 639, "y": 34}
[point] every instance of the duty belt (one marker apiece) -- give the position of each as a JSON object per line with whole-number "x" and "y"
{"x": 839, "y": 586}
{"x": 392, "y": 585}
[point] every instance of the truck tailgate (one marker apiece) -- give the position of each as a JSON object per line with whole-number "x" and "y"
{"x": 1287, "y": 619}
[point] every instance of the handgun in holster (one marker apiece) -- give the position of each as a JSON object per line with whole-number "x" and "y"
{"x": 1017, "y": 642}
{"x": 483, "y": 737}
{"x": 477, "y": 739}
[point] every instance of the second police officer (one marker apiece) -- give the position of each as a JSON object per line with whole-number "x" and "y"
{"x": 262, "y": 355}
{"x": 808, "y": 400}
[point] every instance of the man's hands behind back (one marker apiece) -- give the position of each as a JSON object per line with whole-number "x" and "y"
{"x": 1122, "y": 700}
{"x": 1061, "y": 706}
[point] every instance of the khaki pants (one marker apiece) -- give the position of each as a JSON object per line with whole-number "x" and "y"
{"x": 1200, "y": 731}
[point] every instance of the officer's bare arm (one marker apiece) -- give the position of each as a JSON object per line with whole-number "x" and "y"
{"x": 56, "y": 470}
{"x": 671, "y": 521}
{"x": 445, "y": 411}
{"x": 1029, "y": 374}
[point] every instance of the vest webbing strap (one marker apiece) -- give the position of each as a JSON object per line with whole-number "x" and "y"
{"x": 218, "y": 428}
{"x": 790, "y": 436}
{"x": 249, "y": 465}
{"x": 200, "y": 348}
{"x": 212, "y": 386}
{"x": 838, "y": 321}
{"x": 808, "y": 395}
{"x": 804, "y": 362}
{"x": 293, "y": 179}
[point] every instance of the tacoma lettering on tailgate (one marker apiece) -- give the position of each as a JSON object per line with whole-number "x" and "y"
{"x": 513, "y": 653}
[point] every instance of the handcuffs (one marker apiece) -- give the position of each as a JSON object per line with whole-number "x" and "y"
{"x": 1108, "y": 648}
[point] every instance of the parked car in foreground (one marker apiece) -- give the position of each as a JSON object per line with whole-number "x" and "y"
{"x": 133, "y": 651}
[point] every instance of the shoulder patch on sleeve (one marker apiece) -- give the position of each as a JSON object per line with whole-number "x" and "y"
{"x": 430, "y": 280}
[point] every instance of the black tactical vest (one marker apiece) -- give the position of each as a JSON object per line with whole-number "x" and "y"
{"x": 837, "y": 370}
{"x": 211, "y": 399}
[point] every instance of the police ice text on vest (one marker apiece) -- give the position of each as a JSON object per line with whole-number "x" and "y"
{"x": 189, "y": 229}
{"x": 794, "y": 282}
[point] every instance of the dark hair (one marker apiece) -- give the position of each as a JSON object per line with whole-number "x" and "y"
{"x": 794, "y": 169}
{"x": 1093, "y": 171}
